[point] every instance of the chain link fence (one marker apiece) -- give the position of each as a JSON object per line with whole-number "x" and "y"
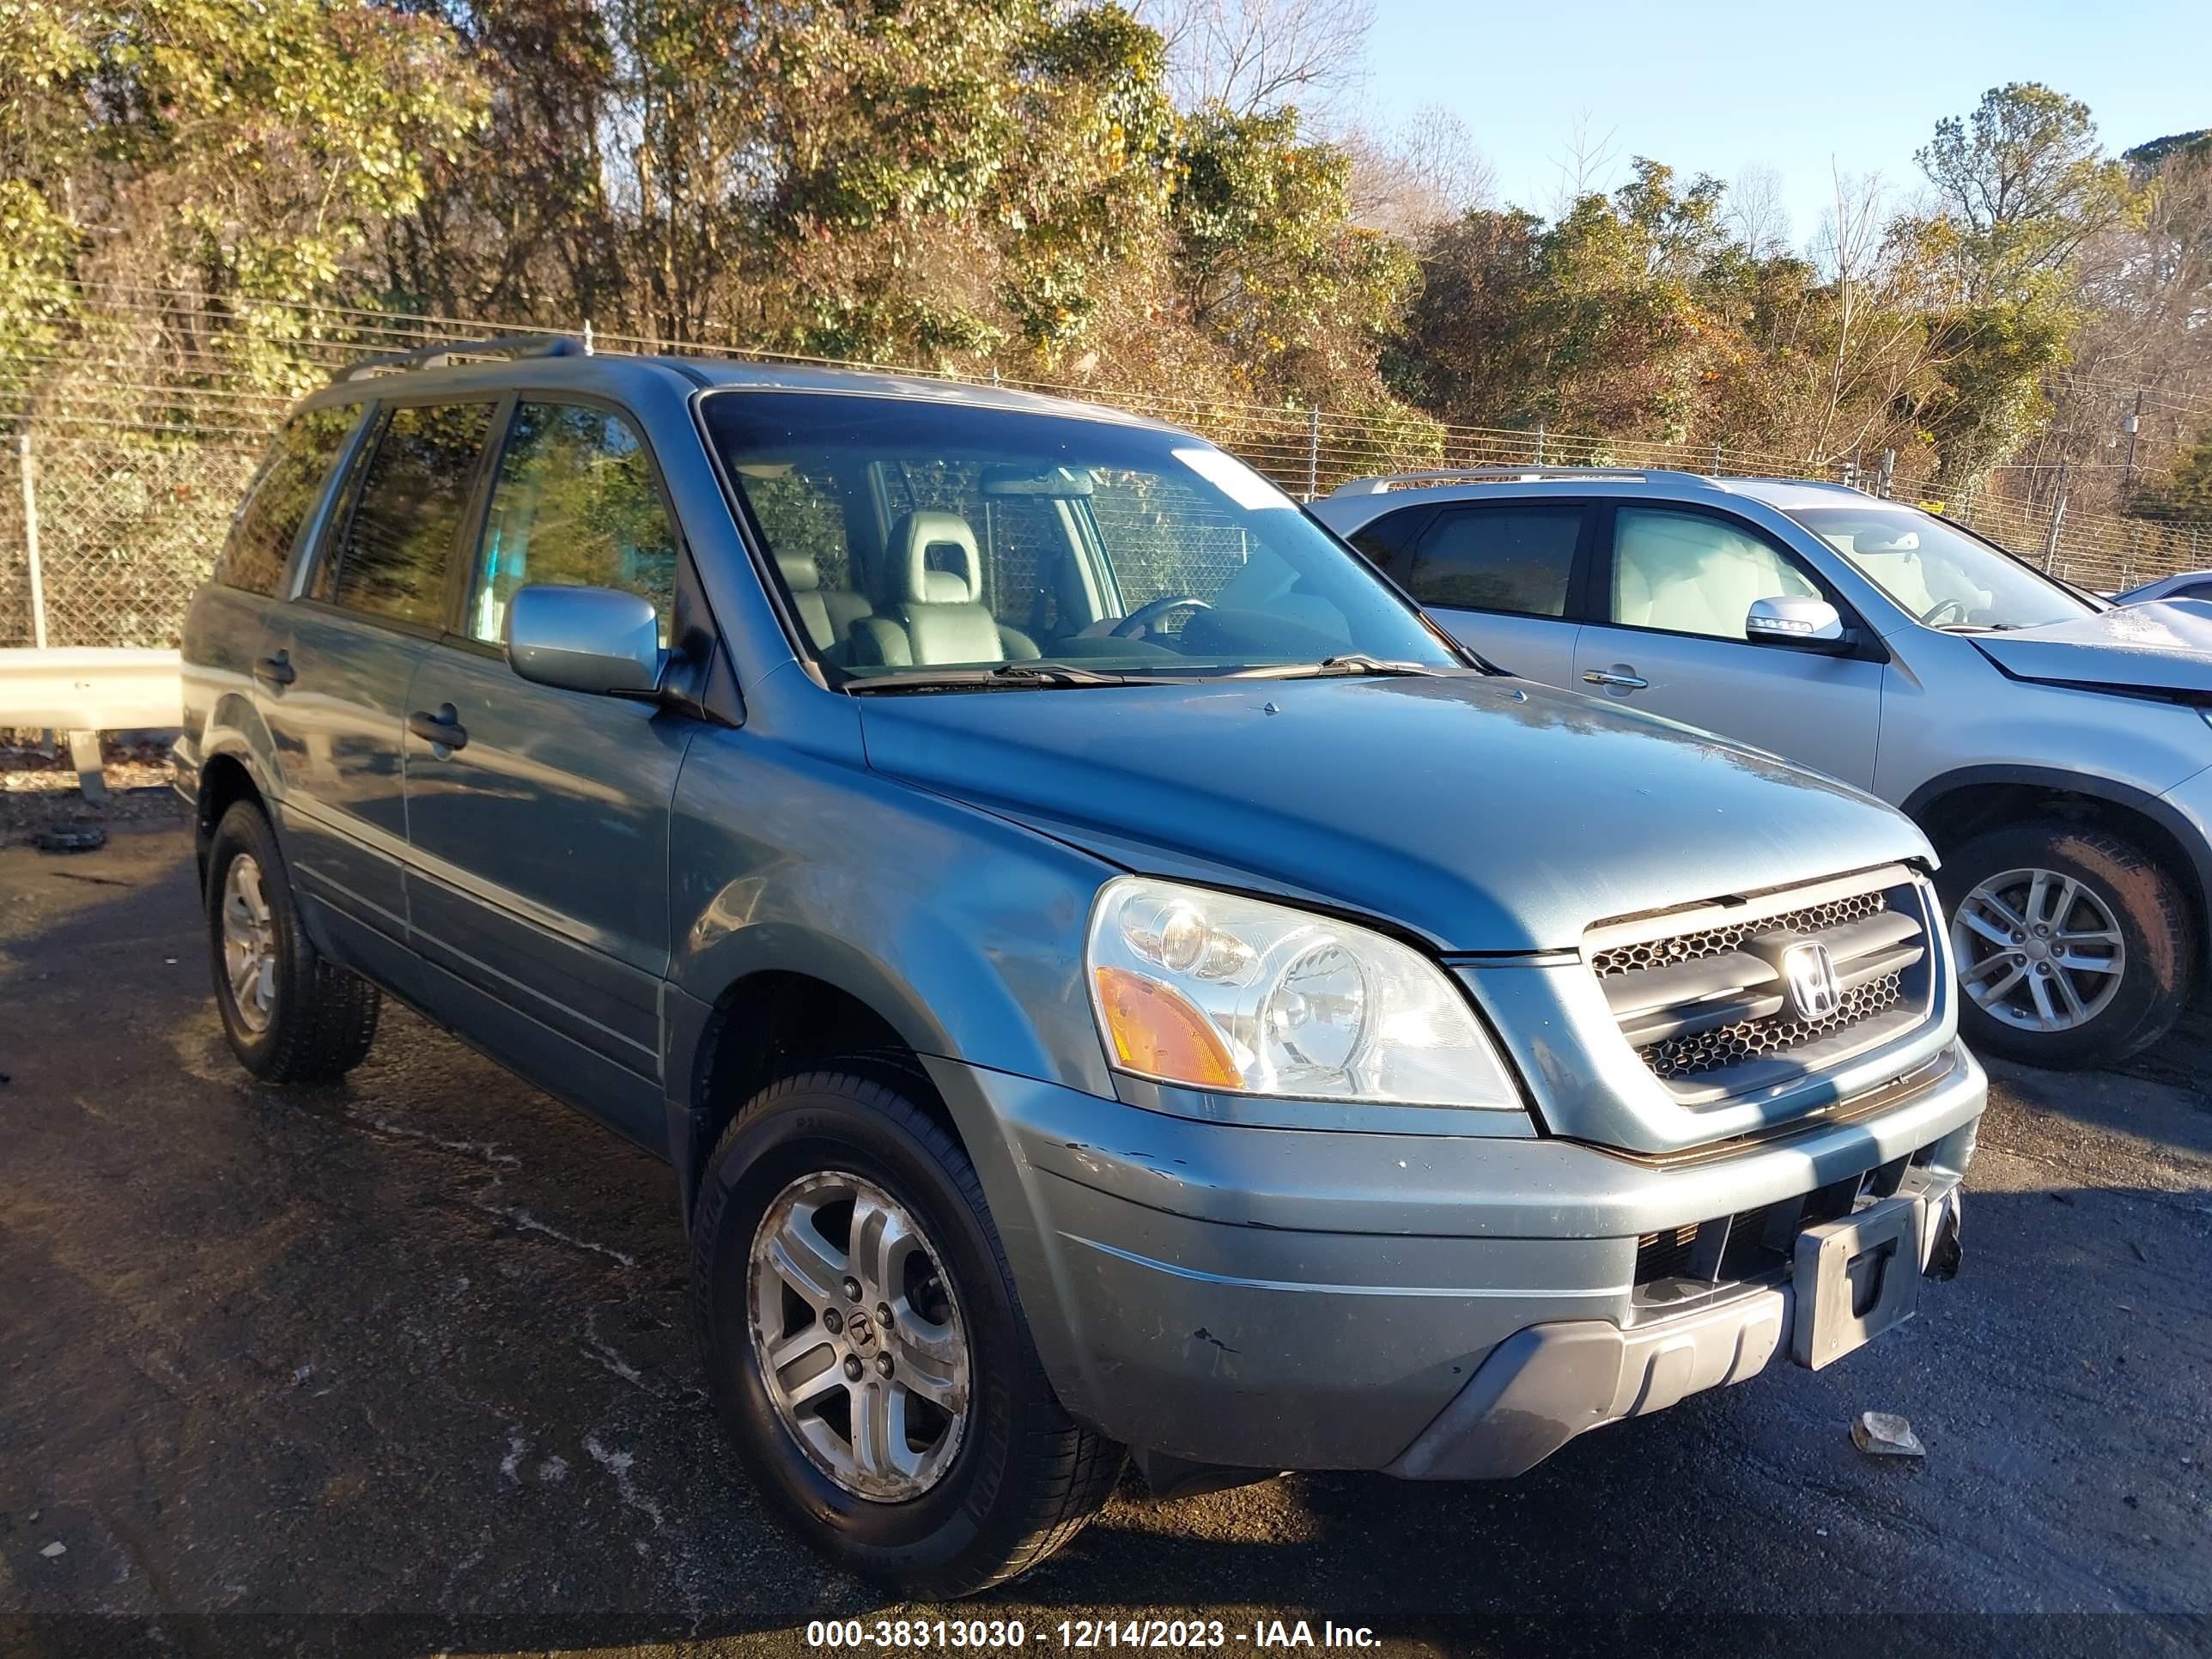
{"x": 126, "y": 513}
{"x": 123, "y": 531}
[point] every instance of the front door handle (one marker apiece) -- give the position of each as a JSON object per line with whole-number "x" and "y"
{"x": 443, "y": 730}
{"x": 1614, "y": 680}
{"x": 276, "y": 670}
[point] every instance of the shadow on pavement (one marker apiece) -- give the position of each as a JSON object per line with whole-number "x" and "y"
{"x": 402, "y": 1366}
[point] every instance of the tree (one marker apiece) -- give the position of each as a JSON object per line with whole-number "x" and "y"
{"x": 1268, "y": 263}
{"x": 1252, "y": 57}
{"x": 2186, "y": 492}
{"x": 1756, "y": 215}
{"x": 240, "y": 148}
{"x": 2023, "y": 185}
{"x": 1427, "y": 171}
{"x": 2027, "y": 183}
{"x": 1599, "y": 323}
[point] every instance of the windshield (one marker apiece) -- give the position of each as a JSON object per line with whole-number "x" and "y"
{"x": 1942, "y": 575}
{"x": 914, "y": 536}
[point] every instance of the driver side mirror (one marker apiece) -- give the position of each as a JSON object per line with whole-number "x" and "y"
{"x": 599, "y": 640}
{"x": 1808, "y": 624}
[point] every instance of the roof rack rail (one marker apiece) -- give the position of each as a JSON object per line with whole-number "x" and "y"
{"x": 509, "y": 349}
{"x": 1383, "y": 483}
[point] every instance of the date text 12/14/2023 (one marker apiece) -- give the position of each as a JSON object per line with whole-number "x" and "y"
{"x": 998, "y": 1635}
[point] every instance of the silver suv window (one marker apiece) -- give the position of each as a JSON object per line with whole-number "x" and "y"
{"x": 1942, "y": 575}
{"x": 1690, "y": 572}
{"x": 1517, "y": 559}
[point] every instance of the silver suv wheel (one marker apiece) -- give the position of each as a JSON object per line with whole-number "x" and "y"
{"x": 249, "y": 944}
{"x": 2037, "y": 950}
{"x": 859, "y": 1336}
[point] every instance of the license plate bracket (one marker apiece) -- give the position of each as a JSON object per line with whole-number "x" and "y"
{"x": 1854, "y": 1279}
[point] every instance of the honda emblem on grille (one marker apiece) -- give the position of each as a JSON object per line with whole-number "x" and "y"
{"x": 1808, "y": 975}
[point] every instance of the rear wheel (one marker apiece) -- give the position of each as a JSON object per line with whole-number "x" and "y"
{"x": 867, "y": 1352}
{"x": 291, "y": 1016}
{"x": 2074, "y": 946}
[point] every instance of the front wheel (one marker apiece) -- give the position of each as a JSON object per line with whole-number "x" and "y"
{"x": 2074, "y": 947}
{"x": 866, "y": 1350}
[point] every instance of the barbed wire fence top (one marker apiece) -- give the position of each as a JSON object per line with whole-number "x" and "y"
{"x": 134, "y": 432}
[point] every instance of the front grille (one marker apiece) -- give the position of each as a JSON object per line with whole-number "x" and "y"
{"x": 1717, "y": 941}
{"x": 1709, "y": 1008}
{"x": 1705, "y": 1051}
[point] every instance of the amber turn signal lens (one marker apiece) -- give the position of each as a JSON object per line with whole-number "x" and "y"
{"x": 1158, "y": 1033}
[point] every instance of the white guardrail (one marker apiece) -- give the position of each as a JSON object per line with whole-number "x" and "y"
{"x": 87, "y": 690}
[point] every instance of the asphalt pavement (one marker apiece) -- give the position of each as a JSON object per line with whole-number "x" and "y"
{"x": 401, "y": 1366}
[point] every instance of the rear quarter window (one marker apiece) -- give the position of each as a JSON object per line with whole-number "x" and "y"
{"x": 280, "y": 498}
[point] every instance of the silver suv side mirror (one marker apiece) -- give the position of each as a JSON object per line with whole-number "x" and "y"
{"x": 585, "y": 639}
{"x": 1793, "y": 621}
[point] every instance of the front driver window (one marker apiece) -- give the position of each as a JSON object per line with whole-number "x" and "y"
{"x": 575, "y": 505}
{"x": 1689, "y": 572}
{"x": 910, "y": 534}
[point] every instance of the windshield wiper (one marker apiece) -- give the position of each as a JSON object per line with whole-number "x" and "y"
{"x": 1352, "y": 662}
{"x": 1005, "y": 675}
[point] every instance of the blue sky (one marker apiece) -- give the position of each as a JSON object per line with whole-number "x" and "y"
{"x": 1716, "y": 85}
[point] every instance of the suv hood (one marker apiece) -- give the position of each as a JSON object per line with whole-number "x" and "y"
{"x": 2158, "y": 646}
{"x": 1481, "y": 814}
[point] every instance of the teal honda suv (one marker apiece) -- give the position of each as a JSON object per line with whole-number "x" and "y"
{"x": 1113, "y": 980}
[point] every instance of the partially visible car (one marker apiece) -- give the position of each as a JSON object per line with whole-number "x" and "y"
{"x": 2182, "y": 585}
{"x": 2054, "y": 748}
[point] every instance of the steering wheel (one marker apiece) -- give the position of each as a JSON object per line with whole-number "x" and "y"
{"x": 1146, "y": 615}
{"x": 1934, "y": 616}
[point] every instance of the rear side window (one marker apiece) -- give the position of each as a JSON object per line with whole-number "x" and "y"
{"x": 1515, "y": 559}
{"x": 281, "y": 496}
{"x": 575, "y": 505}
{"x": 1383, "y": 541}
{"x": 414, "y": 491}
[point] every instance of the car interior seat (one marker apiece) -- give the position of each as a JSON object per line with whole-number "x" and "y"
{"x": 937, "y": 615}
{"x": 826, "y": 613}
{"x": 1674, "y": 574}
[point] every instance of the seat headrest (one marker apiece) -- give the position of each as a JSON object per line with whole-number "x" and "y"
{"x": 912, "y": 540}
{"x": 800, "y": 573}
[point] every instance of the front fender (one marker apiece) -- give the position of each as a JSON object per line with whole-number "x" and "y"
{"x": 962, "y": 930}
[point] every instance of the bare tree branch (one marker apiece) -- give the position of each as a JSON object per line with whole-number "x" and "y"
{"x": 1257, "y": 55}
{"x": 1425, "y": 172}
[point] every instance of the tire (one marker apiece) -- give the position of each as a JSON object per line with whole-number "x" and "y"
{"x": 2140, "y": 901}
{"x": 1015, "y": 1479}
{"x": 302, "y": 1019}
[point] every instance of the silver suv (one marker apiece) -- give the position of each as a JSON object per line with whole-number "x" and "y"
{"x": 2053, "y": 746}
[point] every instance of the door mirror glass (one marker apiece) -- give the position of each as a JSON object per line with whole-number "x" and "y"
{"x": 585, "y": 639}
{"x": 1793, "y": 621}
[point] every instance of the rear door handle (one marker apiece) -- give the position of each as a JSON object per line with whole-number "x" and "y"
{"x": 275, "y": 670}
{"x": 1618, "y": 682}
{"x": 443, "y": 730}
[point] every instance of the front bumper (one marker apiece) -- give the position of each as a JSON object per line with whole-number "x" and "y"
{"x": 1280, "y": 1298}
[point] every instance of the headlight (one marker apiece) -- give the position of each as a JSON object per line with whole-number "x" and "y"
{"x": 1215, "y": 992}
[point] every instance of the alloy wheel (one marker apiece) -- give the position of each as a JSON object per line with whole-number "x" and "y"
{"x": 2039, "y": 950}
{"x": 859, "y": 1336}
{"x": 249, "y": 944}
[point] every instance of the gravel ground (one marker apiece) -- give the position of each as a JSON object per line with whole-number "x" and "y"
{"x": 400, "y": 1367}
